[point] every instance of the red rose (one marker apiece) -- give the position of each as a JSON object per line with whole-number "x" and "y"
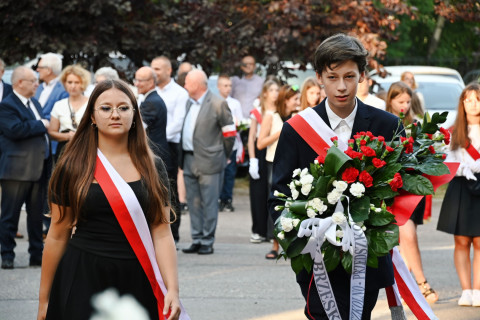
{"x": 367, "y": 151}
{"x": 388, "y": 148}
{"x": 444, "y": 156}
{"x": 431, "y": 149}
{"x": 357, "y": 136}
{"x": 396, "y": 182}
{"x": 369, "y": 134}
{"x": 381, "y": 138}
{"x": 321, "y": 158}
{"x": 353, "y": 154}
{"x": 351, "y": 142}
{"x": 363, "y": 142}
{"x": 366, "y": 179}
{"x": 378, "y": 163}
{"x": 446, "y": 134}
{"x": 334, "y": 138}
{"x": 362, "y": 133}
{"x": 430, "y": 136}
{"x": 408, "y": 148}
{"x": 350, "y": 175}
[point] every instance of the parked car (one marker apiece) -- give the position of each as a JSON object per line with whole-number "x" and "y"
{"x": 440, "y": 87}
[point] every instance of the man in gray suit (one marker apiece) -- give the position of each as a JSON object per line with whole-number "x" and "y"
{"x": 208, "y": 135}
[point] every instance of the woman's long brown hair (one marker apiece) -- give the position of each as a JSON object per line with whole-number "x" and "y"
{"x": 307, "y": 84}
{"x": 460, "y": 137}
{"x": 74, "y": 172}
{"x": 285, "y": 93}
{"x": 396, "y": 89}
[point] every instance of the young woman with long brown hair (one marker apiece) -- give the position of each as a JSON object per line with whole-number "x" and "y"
{"x": 460, "y": 213}
{"x": 399, "y": 99}
{"x": 288, "y": 102}
{"x": 102, "y": 252}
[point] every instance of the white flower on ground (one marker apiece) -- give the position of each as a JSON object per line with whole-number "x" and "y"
{"x": 318, "y": 205}
{"x": 296, "y": 172}
{"x": 281, "y": 235}
{"x": 339, "y": 218}
{"x": 306, "y": 179}
{"x": 340, "y": 185}
{"x": 287, "y": 224}
{"x": 295, "y": 194}
{"x": 339, "y": 233}
{"x": 334, "y": 196}
{"x": 295, "y": 222}
{"x": 357, "y": 189}
{"x": 311, "y": 213}
{"x": 306, "y": 189}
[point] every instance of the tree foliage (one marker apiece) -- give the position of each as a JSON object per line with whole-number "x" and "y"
{"x": 212, "y": 33}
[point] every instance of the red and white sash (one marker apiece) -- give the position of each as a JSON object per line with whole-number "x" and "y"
{"x": 132, "y": 220}
{"x": 317, "y": 134}
{"x": 257, "y": 115}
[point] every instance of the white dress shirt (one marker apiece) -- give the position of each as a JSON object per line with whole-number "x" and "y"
{"x": 47, "y": 90}
{"x": 1, "y": 89}
{"x": 190, "y": 120}
{"x": 342, "y": 127}
{"x": 175, "y": 98}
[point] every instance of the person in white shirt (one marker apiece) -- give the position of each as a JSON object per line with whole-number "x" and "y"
{"x": 247, "y": 88}
{"x": 363, "y": 93}
{"x": 175, "y": 98}
{"x": 224, "y": 85}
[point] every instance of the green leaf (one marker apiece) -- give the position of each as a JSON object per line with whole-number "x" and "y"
{"x": 321, "y": 187}
{"x": 307, "y": 262}
{"x": 393, "y": 156}
{"x": 347, "y": 262}
{"x": 314, "y": 170}
{"x": 297, "y": 264}
{"x": 296, "y": 247}
{"x": 360, "y": 208}
{"x": 382, "y": 240}
{"x": 417, "y": 184}
{"x": 298, "y": 207}
{"x": 382, "y": 192}
{"x": 331, "y": 257}
{"x": 386, "y": 173}
{"x": 432, "y": 168}
{"x": 334, "y": 161}
{"x": 372, "y": 260}
{"x": 378, "y": 219}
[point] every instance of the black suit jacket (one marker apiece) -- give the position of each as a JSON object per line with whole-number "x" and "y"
{"x": 7, "y": 89}
{"x": 22, "y": 141}
{"x": 154, "y": 114}
{"x": 293, "y": 152}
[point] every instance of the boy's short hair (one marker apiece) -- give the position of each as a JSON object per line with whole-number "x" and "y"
{"x": 340, "y": 48}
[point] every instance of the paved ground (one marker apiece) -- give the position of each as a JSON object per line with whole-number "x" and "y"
{"x": 238, "y": 283}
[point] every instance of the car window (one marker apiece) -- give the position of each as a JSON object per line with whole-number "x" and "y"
{"x": 440, "y": 95}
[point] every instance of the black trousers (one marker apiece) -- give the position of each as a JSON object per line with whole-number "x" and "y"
{"x": 341, "y": 290}
{"x": 259, "y": 195}
{"x": 14, "y": 194}
{"x": 172, "y": 178}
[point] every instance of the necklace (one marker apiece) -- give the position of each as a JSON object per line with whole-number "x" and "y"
{"x": 72, "y": 115}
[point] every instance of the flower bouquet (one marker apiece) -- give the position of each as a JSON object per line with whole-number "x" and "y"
{"x": 346, "y": 196}
{"x": 243, "y": 124}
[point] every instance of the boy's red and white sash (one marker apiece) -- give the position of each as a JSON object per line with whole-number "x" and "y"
{"x": 317, "y": 134}
{"x": 132, "y": 220}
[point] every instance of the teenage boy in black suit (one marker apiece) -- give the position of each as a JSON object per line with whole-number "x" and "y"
{"x": 340, "y": 63}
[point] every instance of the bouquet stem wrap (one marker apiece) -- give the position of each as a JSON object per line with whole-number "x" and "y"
{"x": 353, "y": 240}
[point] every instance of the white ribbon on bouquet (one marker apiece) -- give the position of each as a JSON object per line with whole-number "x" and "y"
{"x": 354, "y": 240}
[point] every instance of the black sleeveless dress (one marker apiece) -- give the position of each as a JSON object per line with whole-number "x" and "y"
{"x": 98, "y": 257}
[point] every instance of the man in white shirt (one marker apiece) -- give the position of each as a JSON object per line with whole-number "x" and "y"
{"x": 363, "y": 93}
{"x": 247, "y": 88}
{"x": 175, "y": 98}
{"x": 224, "y": 85}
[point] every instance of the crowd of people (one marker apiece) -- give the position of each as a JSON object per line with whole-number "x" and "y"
{"x": 176, "y": 145}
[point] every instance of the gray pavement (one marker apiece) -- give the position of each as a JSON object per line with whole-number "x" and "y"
{"x": 238, "y": 283}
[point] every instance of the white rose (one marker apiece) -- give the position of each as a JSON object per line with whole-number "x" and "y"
{"x": 295, "y": 222}
{"x": 278, "y": 208}
{"x": 315, "y": 161}
{"x": 304, "y": 172}
{"x": 339, "y": 218}
{"x": 318, "y": 205}
{"x": 340, "y": 185}
{"x": 357, "y": 189}
{"x": 306, "y": 189}
{"x": 292, "y": 185}
{"x": 339, "y": 233}
{"x": 295, "y": 194}
{"x": 311, "y": 213}
{"x": 296, "y": 172}
{"x": 306, "y": 179}
{"x": 287, "y": 224}
{"x": 334, "y": 196}
{"x": 281, "y": 235}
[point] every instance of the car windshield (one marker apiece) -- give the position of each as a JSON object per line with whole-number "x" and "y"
{"x": 440, "y": 95}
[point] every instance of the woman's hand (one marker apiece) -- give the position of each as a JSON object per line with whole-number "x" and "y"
{"x": 42, "y": 311}
{"x": 172, "y": 303}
